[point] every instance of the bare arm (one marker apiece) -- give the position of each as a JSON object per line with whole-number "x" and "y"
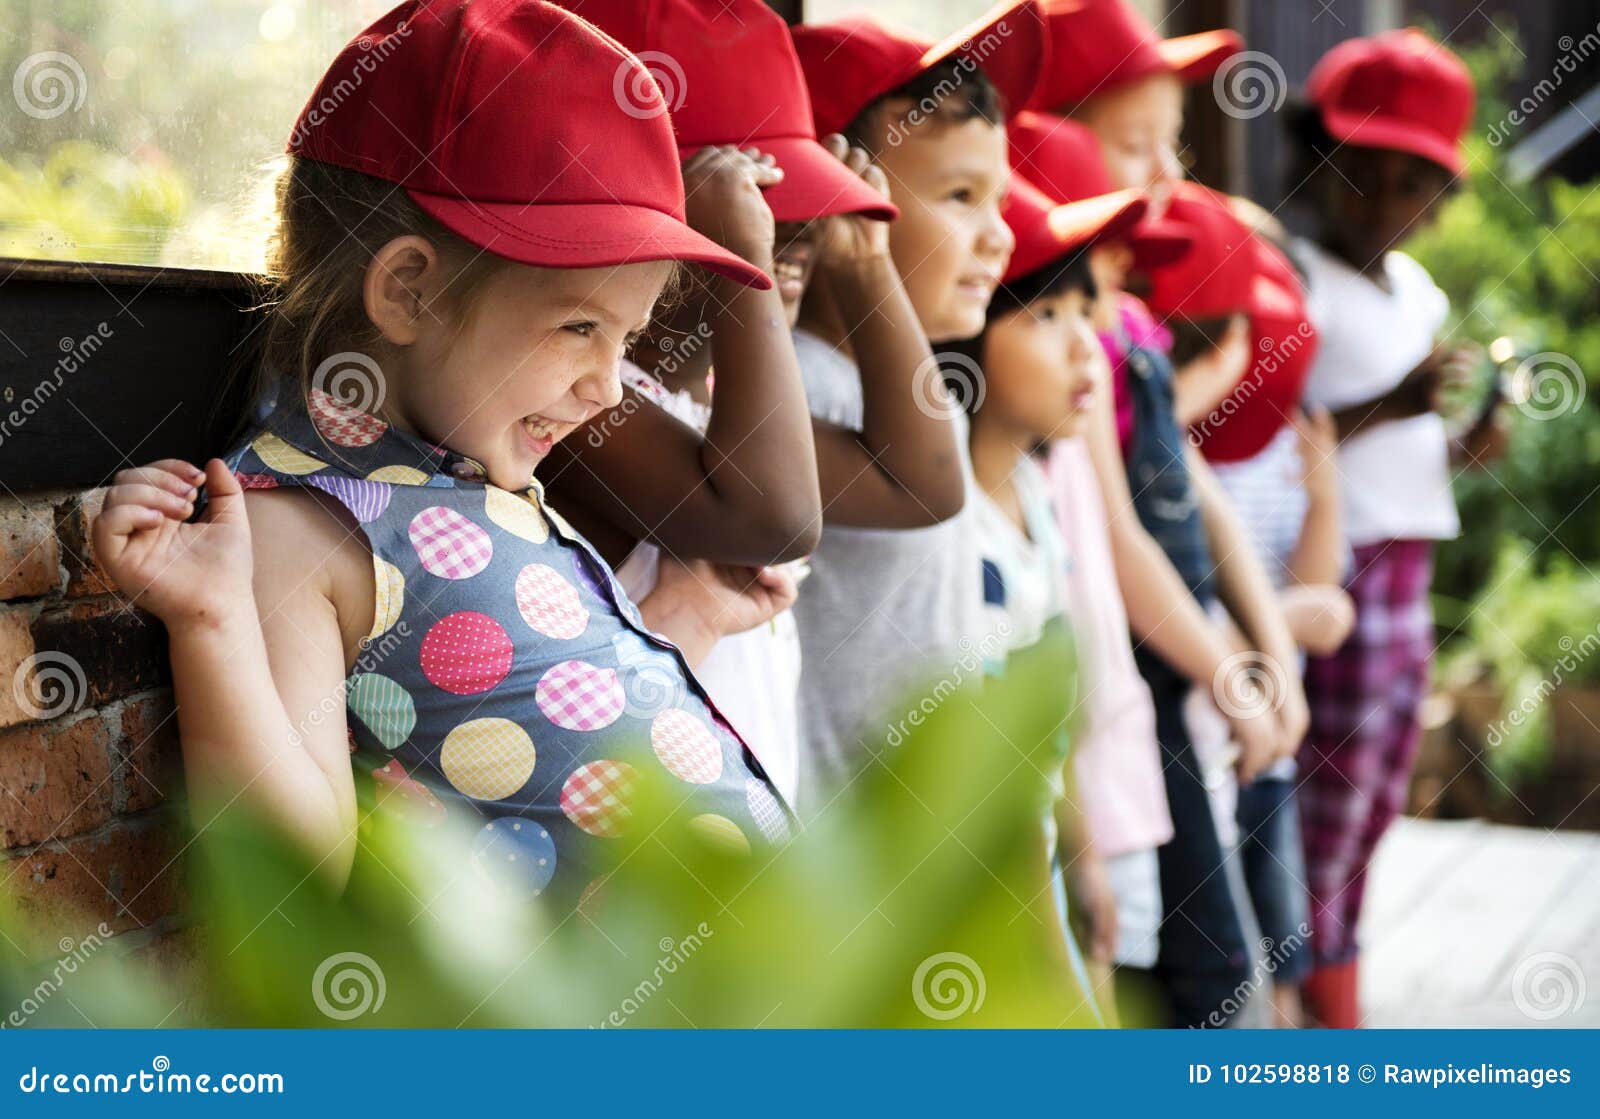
{"x": 903, "y": 468}
{"x": 258, "y": 665}
{"x": 1247, "y": 592}
{"x": 1161, "y": 611}
{"x": 1242, "y": 581}
{"x": 746, "y": 491}
{"x": 1319, "y": 553}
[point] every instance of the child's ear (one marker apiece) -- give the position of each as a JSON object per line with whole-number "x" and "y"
{"x": 398, "y": 287}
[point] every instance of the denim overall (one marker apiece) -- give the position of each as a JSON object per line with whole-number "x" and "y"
{"x": 1203, "y": 955}
{"x": 507, "y": 680}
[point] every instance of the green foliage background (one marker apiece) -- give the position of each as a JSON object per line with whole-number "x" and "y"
{"x": 1519, "y": 259}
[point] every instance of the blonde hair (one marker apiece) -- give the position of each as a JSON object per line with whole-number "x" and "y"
{"x": 330, "y": 221}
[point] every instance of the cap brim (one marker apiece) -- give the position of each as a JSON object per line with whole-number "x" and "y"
{"x": 583, "y": 235}
{"x": 1157, "y": 242}
{"x": 1008, "y": 45}
{"x": 1367, "y": 131}
{"x": 1075, "y": 224}
{"x": 1196, "y": 57}
{"x": 814, "y": 184}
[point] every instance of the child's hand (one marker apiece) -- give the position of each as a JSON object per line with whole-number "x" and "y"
{"x": 1294, "y": 714}
{"x": 722, "y": 188}
{"x": 1318, "y": 442}
{"x": 1485, "y": 441}
{"x": 1093, "y": 888}
{"x": 851, "y": 239}
{"x": 1256, "y": 730}
{"x": 697, "y": 602}
{"x": 1419, "y": 391}
{"x": 183, "y": 573}
{"x": 1320, "y": 616}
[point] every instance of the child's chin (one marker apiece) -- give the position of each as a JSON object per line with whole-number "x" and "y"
{"x": 958, "y": 326}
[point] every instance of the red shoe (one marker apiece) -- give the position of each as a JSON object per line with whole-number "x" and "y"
{"x": 1331, "y": 996}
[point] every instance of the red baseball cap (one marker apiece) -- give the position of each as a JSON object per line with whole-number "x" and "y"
{"x": 1401, "y": 91}
{"x": 1222, "y": 273}
{"x": 851, "y": 62}
{"x": 504, "y": 121}
{"x": 1047, "y": 231}
{"x": 728, "y": 71}
{"x": 1284, "y": 344}
{"x": 1097, "y": 45}
{"x": 1063, "y": 158}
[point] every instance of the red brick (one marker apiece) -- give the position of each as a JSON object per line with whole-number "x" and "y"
{"x": 30, "y": 562}
{"x": 74, "y": 517}
{"x": 55, "y": 781}
{"x": 119, "y": 650}
{"x": 123, "y": 876}
{"x": 148, "y": 761}
{"x": 16, "y": 646}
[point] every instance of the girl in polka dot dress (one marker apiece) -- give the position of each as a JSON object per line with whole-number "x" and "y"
{"x": 470, "y": 235}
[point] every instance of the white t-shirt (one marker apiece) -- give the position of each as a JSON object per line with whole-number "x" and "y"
{"x": 885, "y": 611}
{"x": 753, "y": 677}
{"x": 1024, "y": 572}
{"x": 1395, "y": 475}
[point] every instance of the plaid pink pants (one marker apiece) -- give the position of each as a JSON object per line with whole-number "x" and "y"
{"x": 1356, "y": 762}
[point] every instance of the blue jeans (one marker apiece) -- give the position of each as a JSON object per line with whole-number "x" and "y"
{"x": 1275, "y": 872}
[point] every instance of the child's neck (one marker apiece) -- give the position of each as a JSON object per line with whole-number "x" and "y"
{"x": 1374, "y": 269}
{"x": 996, "y": 450}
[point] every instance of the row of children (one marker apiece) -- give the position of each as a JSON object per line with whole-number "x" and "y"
{"x": 493, "y": 212}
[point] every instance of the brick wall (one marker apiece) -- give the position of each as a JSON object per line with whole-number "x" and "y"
{"x": 89, "y": 762}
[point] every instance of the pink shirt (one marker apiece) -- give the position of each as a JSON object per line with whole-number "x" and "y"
{"x": 1115, "y": 755}
{"x": 1138, "y": 327}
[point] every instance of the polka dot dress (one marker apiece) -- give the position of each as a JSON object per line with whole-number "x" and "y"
{"x": 506, "y": 678}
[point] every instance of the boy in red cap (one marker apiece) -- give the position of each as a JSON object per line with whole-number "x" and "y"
{"x": 885, "y": 610}
{"x": 1380, "y": 146}
{"x": 733, "y": 477}
{"x": 1157, "y": 492}
{"x": 457, "y": 270}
